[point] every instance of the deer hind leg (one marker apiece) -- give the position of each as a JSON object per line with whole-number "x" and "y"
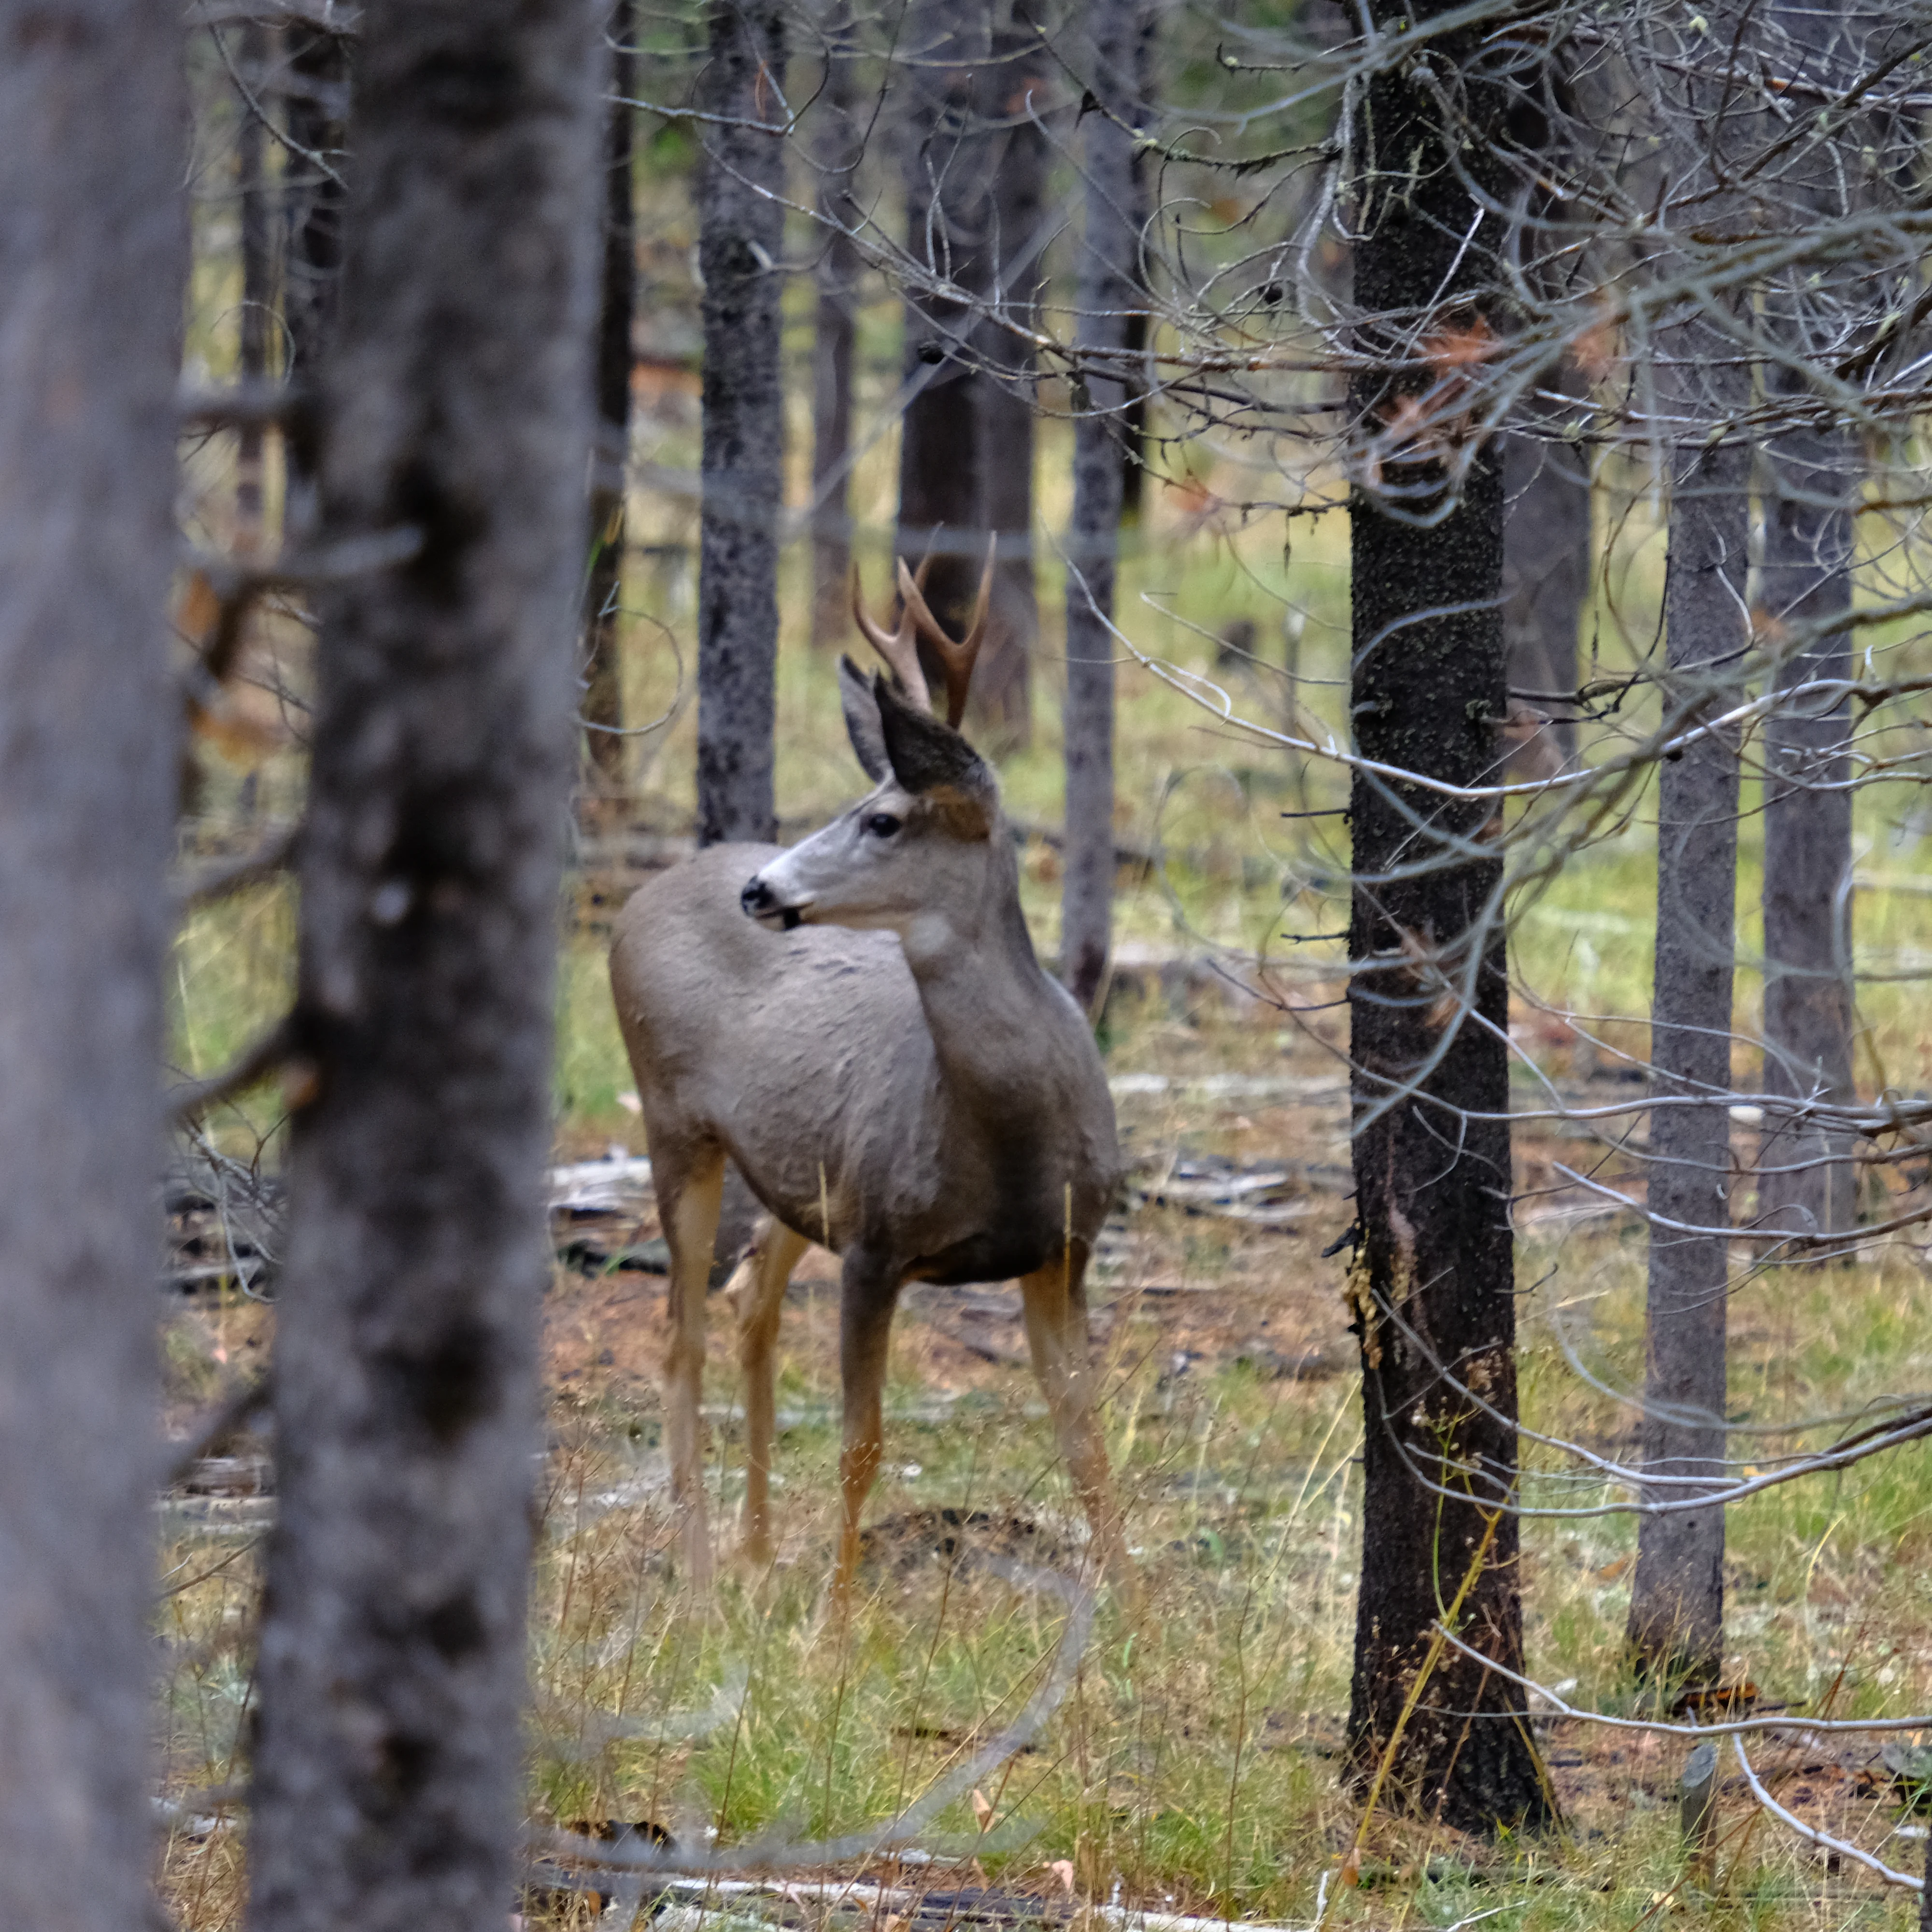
{"x": 867, "y": 1293}
{"x": 1055, "y": 1304}
{"x": 760, "y": 1286}
{"x": 689, "y": 1199}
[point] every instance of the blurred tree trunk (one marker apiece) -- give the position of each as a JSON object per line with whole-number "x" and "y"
{"x": 1106, "y": 287}
{"x": 458, "y": 396}
{"x": 1811, "y": 478}
{"x": 1432, "y": 1286}
{"x": 837, "y": 152}
{"x": 741, "y": 240}
{"x": 92, "y": 262}
{"x": 314, "y": 199}
{"x": 258, "y": 292}
{"x": 975, "y": 193}
{"x": 1547, "y": 558}
{"x": 1807, "y": 1184}
{"x": 603, "y": 706}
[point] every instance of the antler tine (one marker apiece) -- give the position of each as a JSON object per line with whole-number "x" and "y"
{"x": 898, "y": 648}
{"x": 957, "y": 657}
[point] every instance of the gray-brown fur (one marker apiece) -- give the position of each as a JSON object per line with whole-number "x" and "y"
{"x": 861, "y": 1025}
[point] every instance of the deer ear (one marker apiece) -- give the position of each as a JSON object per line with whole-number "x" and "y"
{"x": 928, "y": 757}
{"x": 862, "y": 721}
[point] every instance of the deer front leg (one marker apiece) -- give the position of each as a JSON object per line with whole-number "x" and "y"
{"x": 1055, "y": 1304}
{"x": 690, "y": 1200}
{"x": 760, "y": 1286}
{"x": 868, "y": 1290}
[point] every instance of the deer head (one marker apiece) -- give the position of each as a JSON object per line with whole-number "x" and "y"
{"x": 915, "y": 848}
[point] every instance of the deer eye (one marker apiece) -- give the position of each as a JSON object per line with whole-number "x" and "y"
{"x": 883, "y": 824}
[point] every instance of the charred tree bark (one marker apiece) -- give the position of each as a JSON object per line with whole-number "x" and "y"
{"x": 1677, "y": 1595}
{"x": 458, "y": 405}
{"x": 741, "y": 239}
{"x": 92, "y": 258}
{"x": 603, "y": 704}
{"x": 1432, "y": 1281}
{"x": 835, "y": 338}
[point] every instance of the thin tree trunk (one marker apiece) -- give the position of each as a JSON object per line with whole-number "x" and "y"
{"x": 741, "y": 238}
{"x": 1003, "y": 682}
{"x": 1807, "y": 1184}
{"x": 1676, "y": 1619}
{"x": 314, "y": 200}
{"x": 91, "y": 265}
{"x": 1105, "y": 286}
{"x": 458, "y": 404}
{"x": 835, "y": 338}
{"x": 603, "y": 705}
{"x": 1432, "y": 1286}
{"x": 251, "y": 183}
{"x": 1677, "y": 1596}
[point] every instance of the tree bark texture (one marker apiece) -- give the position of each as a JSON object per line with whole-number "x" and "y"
{"x": 1807, "y": 1184}
{"x": 92, "y": 260}
{"x": 975, "y": 193}
{"x": 1433, "y": 1281}
{"x": 314, "y": 198}
{"x": 1677, "y": 1596}
{"x": 837, "y": 151}
{"x": 603, "y": 703}
{"x": 1105, "y": 284}
{"x": 457, "y": 405}
{"x": 741, "y": 240}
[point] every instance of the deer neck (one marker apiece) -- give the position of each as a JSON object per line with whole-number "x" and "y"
{"x": 979, "y": 980}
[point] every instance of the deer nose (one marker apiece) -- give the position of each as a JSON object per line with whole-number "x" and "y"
{"x": 756, "y": 898}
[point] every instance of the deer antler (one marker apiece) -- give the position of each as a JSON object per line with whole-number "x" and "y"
{"x": 898, "y": 648}
{"x": 957, "y": 659}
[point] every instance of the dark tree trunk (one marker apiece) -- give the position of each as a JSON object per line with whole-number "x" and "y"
{"x": 1433, "y": 1281}
{"x": 314, "y": 201}
{"x": 741, "y": 239}
{"x": 1546, "y": 571}
{"x": 457, "y": 402}
{"x": 949, "y": 216}
{"x": 835, "y": 337}
{"x": 603, "y": 704}
{"x": 91, "y": 263}
{"x": 975, "y": 195}
{"x": 258, "y": 295}
{"x": 1677, "y": 1595}
{"x": 1807, "y": 1184}
{"x": 1106, "y": 288}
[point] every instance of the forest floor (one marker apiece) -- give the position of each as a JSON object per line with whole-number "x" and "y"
{"x": 1193, "y": 1767}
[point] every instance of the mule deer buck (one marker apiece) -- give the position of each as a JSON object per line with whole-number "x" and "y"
{"x": 860, "y": 1024}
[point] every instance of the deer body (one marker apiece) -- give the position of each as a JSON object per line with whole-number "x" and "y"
{"x": 861, "y": 1025}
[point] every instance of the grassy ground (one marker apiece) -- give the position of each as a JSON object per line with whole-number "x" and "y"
{"x": 1195, "y": 1764}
